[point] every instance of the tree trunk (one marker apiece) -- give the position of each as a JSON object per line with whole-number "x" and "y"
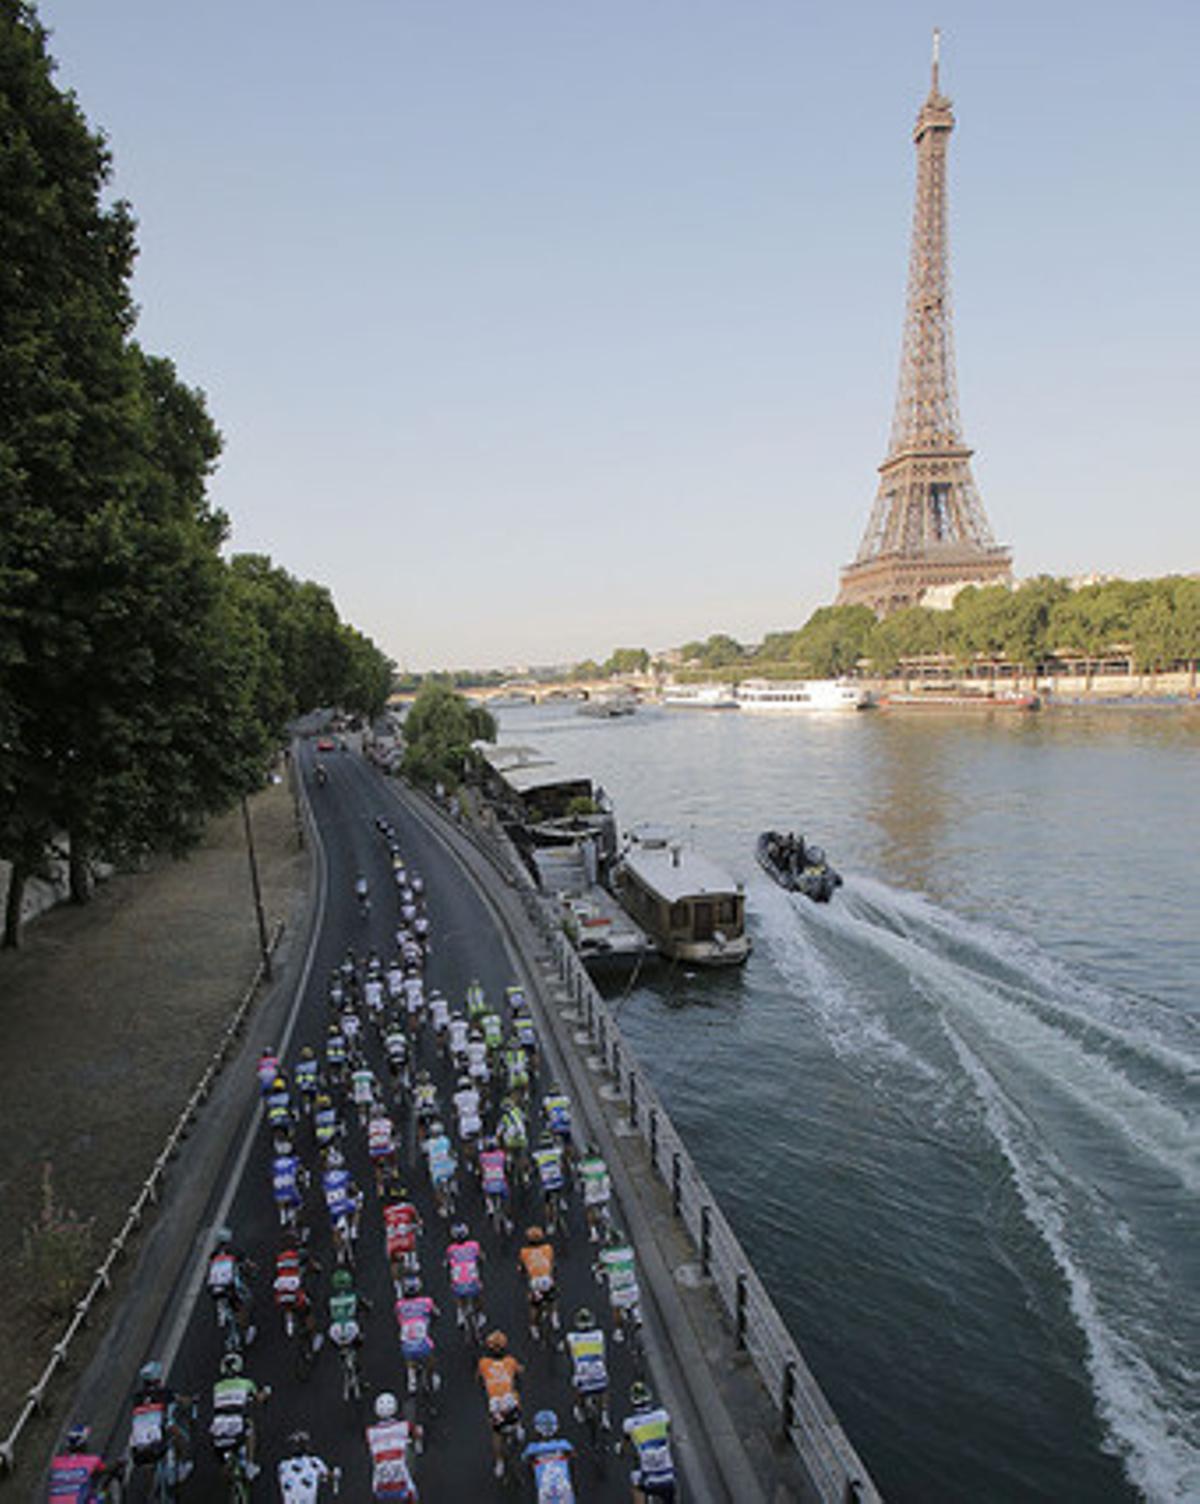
{"x": 78, "y": 872}
{"x": 12, "y": 909}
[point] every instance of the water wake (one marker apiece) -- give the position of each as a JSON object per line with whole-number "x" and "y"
{"x": 1083, "y": 1092}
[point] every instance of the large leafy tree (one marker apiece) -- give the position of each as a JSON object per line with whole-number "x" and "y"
{"x": 439, "y": 731}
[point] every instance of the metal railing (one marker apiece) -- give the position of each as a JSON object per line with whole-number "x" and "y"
{"x": 147, "y": 1196}
{"x": 805, "y": 1417}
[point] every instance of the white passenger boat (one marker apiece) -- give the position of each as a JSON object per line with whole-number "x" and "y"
{"x": 692, "y": 909}
{"x": 700, "y": 697}
{"x": 789, "y": 696}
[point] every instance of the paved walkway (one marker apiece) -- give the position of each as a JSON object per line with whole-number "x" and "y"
{"x": 109, "y": 1013}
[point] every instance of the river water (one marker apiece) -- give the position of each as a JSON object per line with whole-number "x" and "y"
{"x": 954, "y": 1116}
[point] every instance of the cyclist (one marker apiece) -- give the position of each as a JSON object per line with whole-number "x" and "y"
{"x": 363, "y": 1089}
{"x": 493, "y": 1179}
{"x": 647, "y": 1433}
{"x": 401, "y": 1226}
{"x": 78, "y": 1476}
{"x": 288, "y": 1179}
{"x": 443, "y": 1167}
{"x": 617, "y": 1265}
{"x": 477, "y": 1057}
{"x": 362, "y": 893}
{"x": 381, "y": 1146}
{"x": 327, "y": 1126}
{"x": 589, "y": 1370}
{"x": 456, "y": 1041}
{"x": 425, "y": 1104}
{"x": 335, "y": 1054}
{"x": 498, "y": 1372}
{"x": 593, "y": 1173}
{"x": 267, "y": 1069}
{"x": 292, "y": 1264}
{"x": 234, "y": 1397}
{"x": 556, "y": 1106}
{"x": 394, "y": 979}
{"x": 470, "y": 1124}
{"x": 227, "y": 1280}
{"x": 388, "y": 1441}
{"x": 536, "y": 1262}
{"x": 476, "y": 1001}
{"x": 493, "y": 1034}
{"x": 548, "y": 1158}
{"x": 278, "y": 1104}
{"x": 463, "y": 1256}
{"x": 301, "y": 1473}
{"x": 307, "y": 1076}
{"x": 395, "y": 1046}
{"x": 159, "y": 1424}
{"x": 439, "y": 1015}
{"x": 345, "y": 1329}
{"x": 351, "y": 1028}
{"x": 414, "y": 992}
{"x": 344, "y": 1202}
{"x": 415, "y": 1313}
{"x": 549, "y": 1459}
{"x": 513, "y": 1133}
{"x": 373, "y": 996}
{"x": 516, "y": 1069}
{"x": 522, "y": 1024}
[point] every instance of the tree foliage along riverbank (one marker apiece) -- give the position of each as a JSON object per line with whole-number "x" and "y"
{"x": 144, "y": 680}
{"x": 439, "y": 730}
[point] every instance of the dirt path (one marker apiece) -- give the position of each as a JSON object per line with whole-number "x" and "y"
{"x": 108, "y": 1015}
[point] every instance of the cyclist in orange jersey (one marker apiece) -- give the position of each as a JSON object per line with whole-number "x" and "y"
{"x": 536, "y": 1262}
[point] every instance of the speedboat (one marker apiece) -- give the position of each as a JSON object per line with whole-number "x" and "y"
{"x": 797, "y": 866}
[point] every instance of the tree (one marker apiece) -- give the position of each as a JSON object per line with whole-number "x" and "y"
{"x": 627, "y": 661}
{"x": 439, "y": 731}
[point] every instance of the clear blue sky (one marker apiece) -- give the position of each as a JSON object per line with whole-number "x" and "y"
{"x": 538, "y": 327}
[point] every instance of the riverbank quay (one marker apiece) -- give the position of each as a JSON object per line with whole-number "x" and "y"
{"x": 734, "y": 1370}
{"x": 123, "y": 1022}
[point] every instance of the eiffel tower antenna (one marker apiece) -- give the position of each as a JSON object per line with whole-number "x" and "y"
{"x": 927, "y": 527}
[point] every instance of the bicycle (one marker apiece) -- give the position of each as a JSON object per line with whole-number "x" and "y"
{"x": 347, "y": 1346}
{"x": 591, "y": 1411}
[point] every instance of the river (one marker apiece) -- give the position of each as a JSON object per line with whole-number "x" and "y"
{"x": 954, "y": 1115}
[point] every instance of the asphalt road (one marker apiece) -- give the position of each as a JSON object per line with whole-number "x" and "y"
{"x": 457, "y": 1462}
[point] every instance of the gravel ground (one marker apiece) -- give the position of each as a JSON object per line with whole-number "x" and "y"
{"x": 109, "y": 1014}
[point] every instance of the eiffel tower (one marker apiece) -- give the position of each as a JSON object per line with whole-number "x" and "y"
{"x": 927, "y": 527}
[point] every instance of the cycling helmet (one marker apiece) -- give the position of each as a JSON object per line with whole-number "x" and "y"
{"x": 615, "y": 1237}
{"x": 547, "y": 1139}
{"x": 223, "y": 1238}
{"x": 342, "y": 1280}
{"x": 534, "y": 1235}
{"x": 436, "y": 1128}
{"x": 299, "y": 1443}
{"x": 640, "y": 1397}
{"x": 412, "y": 1285}
{"x": 464, "y": 1083}
{"x": 323, "y": 1100}
{"x": 545, "y": 1423}
{"x": 231, "y": 1365}
{"x": 424, "y": 1077}
{"x": 584, "y": 1320}
{"x": 386, "y": 1406}
{"x": 305, "y": 1054}
{"x": 496, "y": 1342}
{"x": 488, "y": 1143}
{"x": 151, "y": 1374}
{"x": 77, "y": 1438}
{"x": 279, "y": 1084}
{"x": 459, "y": 1231}
{"x": 334, "y": 1158}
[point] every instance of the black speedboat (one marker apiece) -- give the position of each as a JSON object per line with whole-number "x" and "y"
{"x": 797, "y": 866}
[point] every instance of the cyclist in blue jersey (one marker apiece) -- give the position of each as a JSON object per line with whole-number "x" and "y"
{"x": 549, "y": 1459}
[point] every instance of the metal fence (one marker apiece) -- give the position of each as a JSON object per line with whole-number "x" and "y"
{"x": 805, "y": 1417}
{"x": 146, "y": 1197}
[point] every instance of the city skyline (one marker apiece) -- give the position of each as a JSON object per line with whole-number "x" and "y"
{"x": 532, "y": 335}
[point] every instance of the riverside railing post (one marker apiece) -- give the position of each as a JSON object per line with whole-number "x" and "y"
{"x": 676, "y": 1181}
{"x": 258, "y": 908}
{"x": 740, "y": 1311}
{"x": 633, "y": 1098}
{"x": 706, "y": 1239}
{"x": 788, "y": 1403}
{"x": 654, "y": 1137}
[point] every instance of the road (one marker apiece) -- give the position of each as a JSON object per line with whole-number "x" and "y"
{"x": 465, "y": 944}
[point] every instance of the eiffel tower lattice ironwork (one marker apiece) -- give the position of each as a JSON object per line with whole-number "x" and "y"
{"x": 927, "y": 527}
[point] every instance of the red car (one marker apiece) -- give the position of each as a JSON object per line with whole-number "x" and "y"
{"x": 325, "y": 744}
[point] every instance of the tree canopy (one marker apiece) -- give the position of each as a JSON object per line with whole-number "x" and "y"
{"x": 439, "y": 731}
{"x": 143, "y": 680}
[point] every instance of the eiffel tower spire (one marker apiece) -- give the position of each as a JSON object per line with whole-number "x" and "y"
{"x": 927, "y": 526}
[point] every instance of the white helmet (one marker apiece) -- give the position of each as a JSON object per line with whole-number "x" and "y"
{"x": 386, "y": 1406}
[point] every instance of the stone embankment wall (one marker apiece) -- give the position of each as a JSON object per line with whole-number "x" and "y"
{"x": 1098, "y": 687}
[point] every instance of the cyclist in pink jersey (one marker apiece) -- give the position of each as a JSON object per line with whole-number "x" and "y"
{"x": 463, "y": 1256}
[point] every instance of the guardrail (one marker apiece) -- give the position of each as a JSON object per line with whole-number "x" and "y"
{"x": 148, "y": 1194}
{"x": 806, "y": 1420}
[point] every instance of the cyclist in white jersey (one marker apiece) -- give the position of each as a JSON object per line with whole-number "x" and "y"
{"x": 302, "y": 1473}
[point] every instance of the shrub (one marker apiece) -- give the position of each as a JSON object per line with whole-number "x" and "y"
{"x": 56, "y": 1252}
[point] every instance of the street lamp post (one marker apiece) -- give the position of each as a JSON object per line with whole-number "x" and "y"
{"x": 258, "y": 908}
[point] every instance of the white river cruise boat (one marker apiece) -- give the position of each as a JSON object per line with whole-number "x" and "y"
{"x": 699, "y": 697}
{"x": 685, "y": 902}
{"x": 795, "y": 695}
